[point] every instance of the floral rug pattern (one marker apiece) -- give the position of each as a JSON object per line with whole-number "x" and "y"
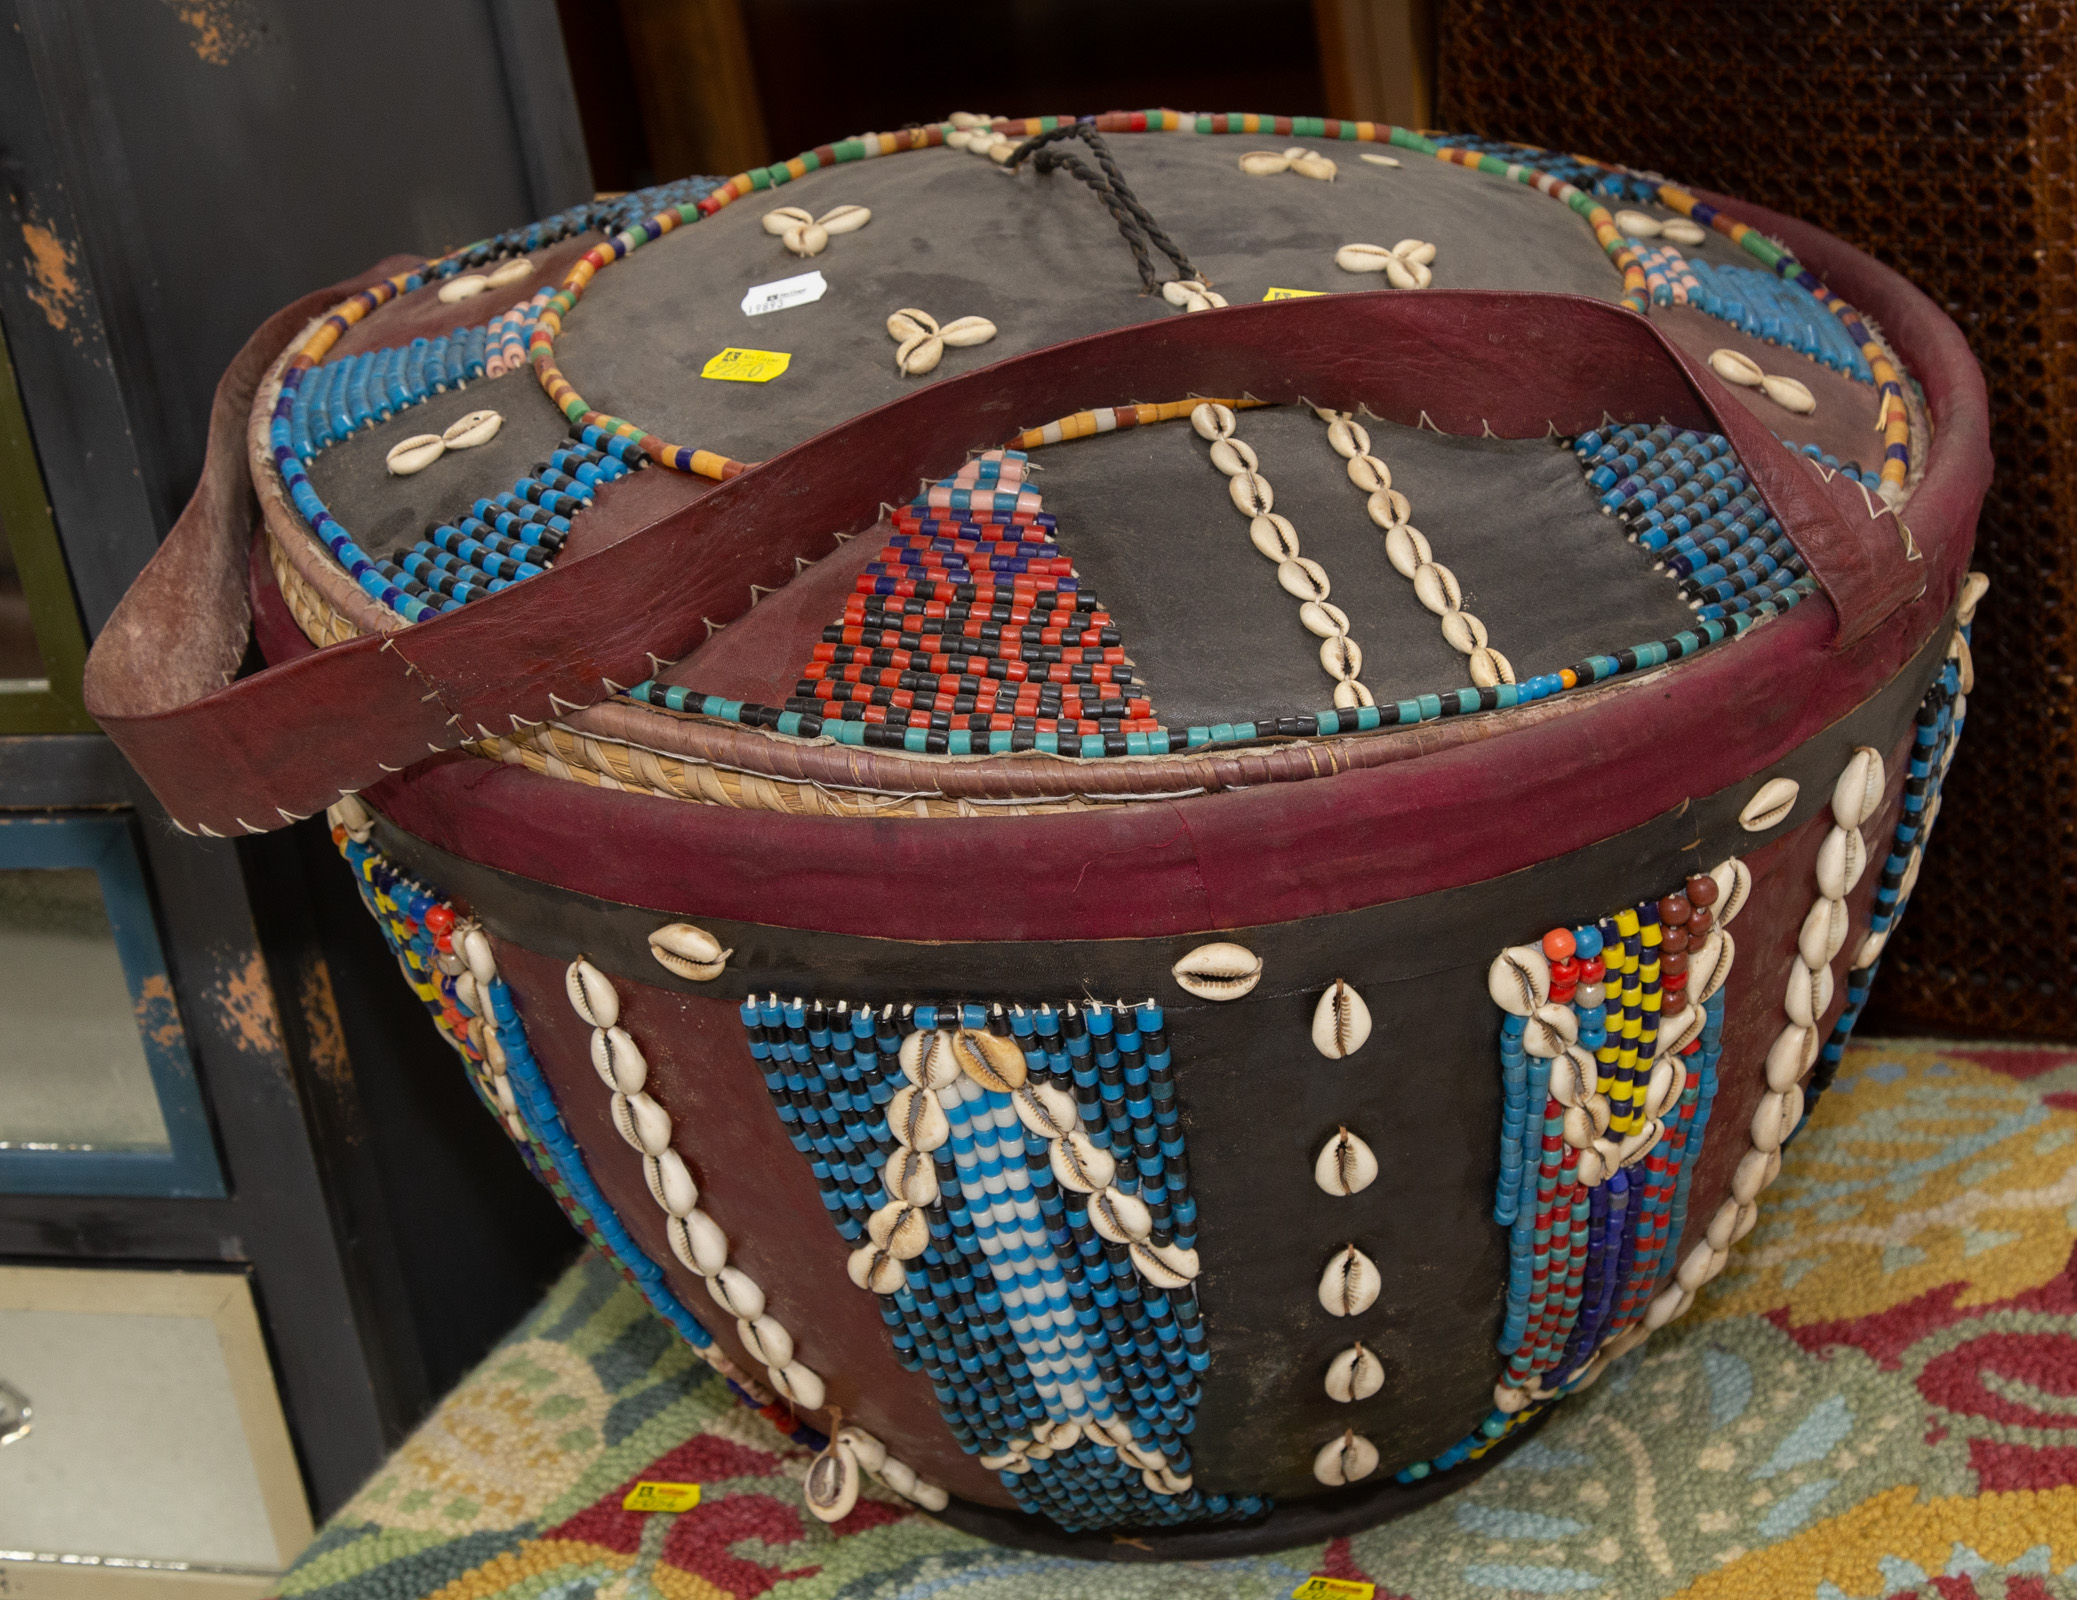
{"x": 1877, "y": 1398}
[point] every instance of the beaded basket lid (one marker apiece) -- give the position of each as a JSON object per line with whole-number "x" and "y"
{"x": 1152, "y": 575}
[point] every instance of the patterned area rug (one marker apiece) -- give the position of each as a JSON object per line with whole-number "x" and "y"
{"x": 1878, "y": 1397}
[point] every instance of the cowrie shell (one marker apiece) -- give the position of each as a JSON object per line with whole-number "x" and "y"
{"x": 1263, "y": 163}
{"x": 926, "y": 1060}
{"x": 1488, "y": 667}
{"x": 1314, "y": 165}
{"x": 1406, "y": 547}
{"x": 1637, "y": 225}
{"x": 414, "y": 454}
{"x": 466, "y": 287}
{"x": 1679, "y": 1030}
{"x": 1551, "y": 1028}
{"x": 1389, "y": 509}
{"x": 1342, "y": 657}
{"x": 1399, "y": 275}
{"x": 995, "y": 1063}
{"x": 1722, "y": 1224}
{"x": 1414, "y": 252}
{"x": 1164, "y": 1266}
{"x": 1669, "y": 1078}
{"x": 1355, "y": 1374}
{"x": 642, "y": 1123}
{"x": 1841, "y": 860}
{"x": 919, "y": 355}
{"x": 1463, "y": 632}
{"x": 1348, "y": 1459}
{"x": 911, "y": 1176}
{"x": 1349, "y": 693}
{"x": 1591, "y": 1171}
{"x": 785, "y": 217}
{"x": 1858, "y": 793}
{"x": 670, "y": 1183}
{"x": 1755, "y": 1171}
{"x": 1079, "y": 1165}
{"x": 767, "y": 1340}
{"x": 1119, "y": 1217}
{"x": 1710, "y": 966}
{"x": 1733, "y": 888}
{"x": 349, "y": 813}
{"x": 1178, "y": 291}
{"x": 1057, "y": 1436}
{"x": 1788, "y": 394}
{"x": 1046, "y": 1109}
{"x": 482, "y": 961}
{"x": 1363, "y": 258}
{"x": 1008, "y": 1461}
{"x": 1348, "y": 439}
{"x": 1910, "y": 879}
{"x": 1323, "y": 620}
{"x": 1665, "y": 1306}
{"x": 795, "y": 1383}
{"x": 1771, "y": 803}
{"x": 908, "y": 323}
{"x": 1698, "y": 1268}
{"x": 737, "y": 1293}
{"x": 1790, "y": 1056}
{"x": 1965, "y": 663}
{"x": 1346, "y": 1165}
{"x": 466, "y": 433}
{"x": 1733, "y": 367}
{"x": 469, "y": 992}
{"x": 591, "y": 994}
{"x": 830, "y": 1489}
{"x": 689, "y": 952}
{"x": 1823, "y": 932}
{"x": 1233, "y": 456}
{"x": 1435, "y": 586}
{"x": 967, "y": 331}
{"x": 1369, "y": 474}
{"x": 872, "y": 1268}
{"x": 1639, "y": 1144}
{"x": 514, "y": 271}
{"x": 1341, "y": 1022}
{"x": 916, "y": 1120}
{"x": 1250, "y": 494}
{"x": 1681, "y": 231}
{"x": 1164, "y": 1482}
{"x": 1519, "y": 979}
{"x": 618, "y": 1060}
{"x": 1507, "y": 1399}
{"x": 1575, "y": 1076}
{"x": 844, "y": 219}
{"x": 1747, "y": 1216}
{"x": 1219, "y": 971}
{"x": 1974, "y": 587}
{"x": 871, "y": 1453}
{"x": 1378, "y": 160}
{"x": 697, "y": 1240}
{"x": 1775, "y": 1118}
{"x": 1274, "y": 536}
{"x": 1579, "y": 1128}
{"x": 1302, "y": 578}
{"x": 1350, "y": 1285}
{"x": 900, "y": 1229}
{"x": 1809, "y": 992}
{"x": 1212, "y": 420}
{"x": 806, "y": 239}
{"x": 1870, "y": 951}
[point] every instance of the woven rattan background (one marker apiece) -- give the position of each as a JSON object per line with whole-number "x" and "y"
{"x": 1939, "y": 138}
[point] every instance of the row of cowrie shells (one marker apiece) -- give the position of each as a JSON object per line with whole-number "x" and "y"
{"x": 921, "y": 342}
{"x": 1191, "y": 294}
{"x": 421, "y": 450}
{"x": 1306, "y": 163}
{"x": 471, "y": 284}
{"x": 1405, "y": 265}
{"x": 695, "y": 1238}
{"x": 1048, "y": 1439}
{"x": 1304, "y": 579}
{"x": 1734, "y": 367}
{"x": 1407, "y": 548}
{"x": 1681, "y": 230}
{"x": 807, "y": 235}
{"x": 830, "y": 1487}
{"x": 1345, "y": 1166}
{"x": 975, "y": 133}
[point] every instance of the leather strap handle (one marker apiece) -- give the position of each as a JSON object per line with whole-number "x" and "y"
{"x": 229, "y": 757}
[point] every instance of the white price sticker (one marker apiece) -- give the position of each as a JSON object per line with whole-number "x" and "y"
{"x": 800, "y": 291}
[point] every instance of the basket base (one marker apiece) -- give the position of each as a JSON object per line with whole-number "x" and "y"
{"x": 1295, "y": 1523}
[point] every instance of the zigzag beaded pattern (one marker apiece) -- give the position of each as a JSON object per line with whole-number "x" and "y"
{"x": 1029, "y": 1325}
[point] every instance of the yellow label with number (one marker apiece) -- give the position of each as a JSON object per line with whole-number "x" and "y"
{"x": 648, "y": 1496}
{"x": 1333, "y": 1589}
{"x": 747, "y": 366}
{"x": 1298, "y": 294}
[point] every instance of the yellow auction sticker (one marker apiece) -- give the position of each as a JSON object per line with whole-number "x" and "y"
{"x": 648, "y": 1496}
{"x": 1299, "y": 294}
{"x": 1333, "y": 1589}
{"x": 747, "y": 366}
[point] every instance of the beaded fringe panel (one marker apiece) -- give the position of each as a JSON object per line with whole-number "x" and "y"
{"x": 1945, "y": 149}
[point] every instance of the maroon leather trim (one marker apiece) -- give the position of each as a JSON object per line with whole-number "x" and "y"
{"x": 285, "y": 742}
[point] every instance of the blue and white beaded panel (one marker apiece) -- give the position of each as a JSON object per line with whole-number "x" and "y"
{"x": 1016, "y": 1184}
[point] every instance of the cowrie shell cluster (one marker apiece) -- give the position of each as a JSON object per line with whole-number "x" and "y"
{"x": 1735, "y": 367}
{"x": 472, "y": 966}
{"x": 695, "y": 1238}
{"x": 1637, "y": 225}
{"x": 1191, "y": 294}
{"x": 688, "y": 952}
{"x": 1341, "y": 1022}
{"x": 807, "y": 235}
{"x": 1218, "y": 971}
{"x": 975, "y": 133}
{"x": 920, "y": 342}
{"x": 1407, "y": 265}
{"x": 1305, "y": 580}
{"x": 1306, "y": 163}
